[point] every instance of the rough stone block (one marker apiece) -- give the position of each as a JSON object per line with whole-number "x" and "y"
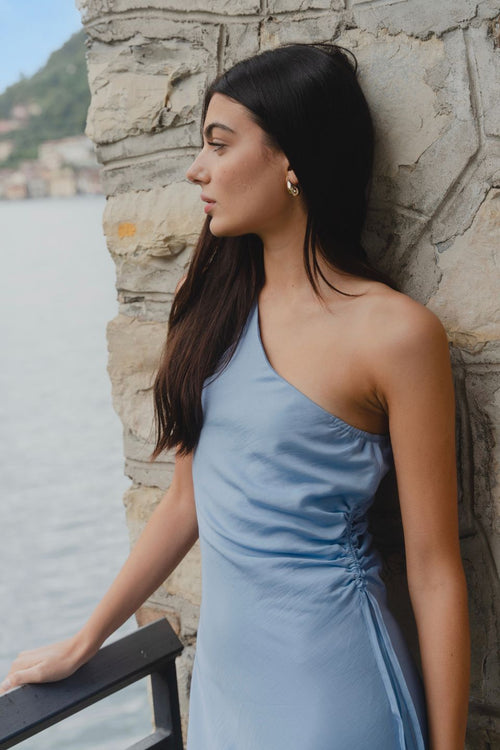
{"x": 156, "y": 474}
{"x": 92, "y": 9}
{"x": 282, "y": 6}
{"x": 484, "y": 599}
{"x": 141, "y": 26}
{"x": 157, "y": 223}
{"x": 151, "y": 235}
{"x": 486, "y": 736}
{"x": 140, "y": 502}
{"x": 145, "y": 87}
{"x": 189, "y": 612}
{"x": 420, "y": 275}
{"x": 155, "y": 169}
{"x": 127, "y": 104}
{"x": 185, "y": 581}
{"x": 464, "y": 446}
{"x": 472, "y": 262}
{"x": 138, "y": 278}
{"x": 390, "y": 234}
{"x": 134, "y": 354}
{"x": 298, "y": 28}
{"x": 483, "y": 397}
{"x": 147, "y": 614}
{"x": 142, "y": 278}
{"x": 160, "y": 143}
{"x": 489, "y": 355}
{"x": 457, "y": 211}
{"x": 421, "y": 108}
{"x": 150, "y": 306}
{"x": 416, "y": 18}
{"x": 486, "y": 46}
{"x": 184, "y": 666}
{"x": 240, "y": 40}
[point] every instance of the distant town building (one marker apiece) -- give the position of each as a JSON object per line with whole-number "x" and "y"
{"x": 75, "y": 151}
{"x": 5, "y": 149}
{"x": 16, "y": 186}
{"x": 23, "y": 111}
{"x": 6, "y": 126}
{"x": 64, "y": 167}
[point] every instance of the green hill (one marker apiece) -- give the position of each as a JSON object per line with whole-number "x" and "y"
{"x": 61, "y": 91}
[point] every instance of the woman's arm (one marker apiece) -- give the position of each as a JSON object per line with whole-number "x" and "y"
{"x": 415, "y": 379}
{"x": 169, "y": 534}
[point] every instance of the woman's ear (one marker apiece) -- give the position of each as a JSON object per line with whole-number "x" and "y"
{"x": 292, "y": 176}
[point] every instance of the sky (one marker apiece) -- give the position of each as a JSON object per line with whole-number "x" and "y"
{"x": 30, "y": 30}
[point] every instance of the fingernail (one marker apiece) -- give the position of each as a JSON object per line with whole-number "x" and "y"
{"x": 6, "y": 685}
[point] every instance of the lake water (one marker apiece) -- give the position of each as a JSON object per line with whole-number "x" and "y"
{"x": 63, "y": 536}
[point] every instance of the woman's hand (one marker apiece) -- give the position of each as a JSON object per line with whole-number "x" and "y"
{"x": 47, "y": 663}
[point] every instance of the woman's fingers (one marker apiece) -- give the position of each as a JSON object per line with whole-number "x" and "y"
{"x": 44, "y": 664}
{"x": 6, "y": 685}
{"x": 22, "y": 662}
{"x": 21, "y": 677}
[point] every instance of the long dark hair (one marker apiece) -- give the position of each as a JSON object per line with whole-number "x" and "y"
{"x": 307, "y": 100}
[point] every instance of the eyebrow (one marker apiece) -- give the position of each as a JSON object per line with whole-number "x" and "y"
{"x": 209, "y": 129}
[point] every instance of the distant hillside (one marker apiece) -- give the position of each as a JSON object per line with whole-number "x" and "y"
{"x": 59, "y": 91}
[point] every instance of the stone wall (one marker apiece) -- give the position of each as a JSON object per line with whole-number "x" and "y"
{"x": 429, "y": 70}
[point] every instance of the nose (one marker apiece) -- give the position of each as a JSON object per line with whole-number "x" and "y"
{"x": 196, "y": 172}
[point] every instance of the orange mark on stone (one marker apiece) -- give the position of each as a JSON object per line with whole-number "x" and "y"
{"x": 126, "y": 229}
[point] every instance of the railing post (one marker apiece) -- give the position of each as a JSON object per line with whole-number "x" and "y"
{"x": 164, "y": 685}
{"x": 166, "y": 713}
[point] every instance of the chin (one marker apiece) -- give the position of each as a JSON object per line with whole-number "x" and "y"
{"x": 225, "y": 231}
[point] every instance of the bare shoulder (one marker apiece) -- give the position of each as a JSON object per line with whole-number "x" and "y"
{"x": 398, "y": 324}
{"x": 406, "y": 345}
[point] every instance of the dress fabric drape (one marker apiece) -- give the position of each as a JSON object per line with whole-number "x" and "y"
{"x": 296, "y": 646}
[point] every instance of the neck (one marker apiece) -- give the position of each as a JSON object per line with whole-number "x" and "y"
{"x": 285, "y": 274}
{"x": 283, "y": 254}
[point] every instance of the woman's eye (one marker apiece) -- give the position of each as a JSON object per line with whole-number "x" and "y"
{"x": 218, "y": 146}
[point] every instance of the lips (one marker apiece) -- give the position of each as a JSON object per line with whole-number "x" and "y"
{"x": 209, "y": 204}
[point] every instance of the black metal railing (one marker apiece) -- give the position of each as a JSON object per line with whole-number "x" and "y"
{"x": 150, "y": 650}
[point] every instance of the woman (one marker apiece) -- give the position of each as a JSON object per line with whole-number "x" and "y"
{"x": 293, "y": 375}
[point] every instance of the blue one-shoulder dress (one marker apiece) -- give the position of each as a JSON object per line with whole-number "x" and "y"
{"x": 296, "y": 647}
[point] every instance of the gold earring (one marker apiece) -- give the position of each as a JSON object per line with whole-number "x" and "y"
{"x": 292, "y": 189}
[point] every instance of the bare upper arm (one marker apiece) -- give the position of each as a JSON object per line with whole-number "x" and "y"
{"x": 414, "y": 375}
{"x": 180, "y": 495}
{"x": 182, "y": 479}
